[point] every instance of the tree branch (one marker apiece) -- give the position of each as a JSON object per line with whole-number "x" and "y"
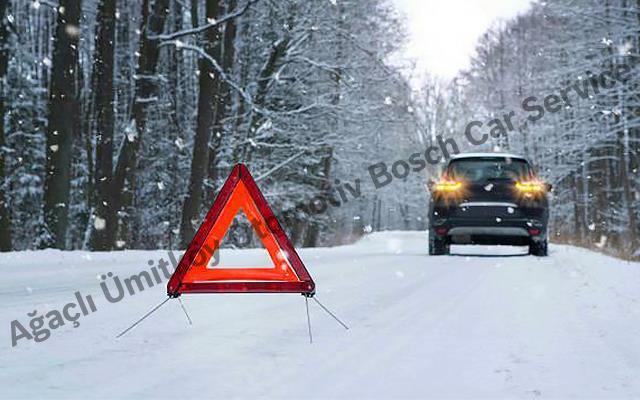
{"x": 182, "y": 46}
{"x": 200, "y": 29}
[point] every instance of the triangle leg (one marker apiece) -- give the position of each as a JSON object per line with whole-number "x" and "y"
{"x": 154, "y": 309}
{"x": 184, "y": 309}
{"x": 330, "y": 313}
{"x": 306, "y": 303}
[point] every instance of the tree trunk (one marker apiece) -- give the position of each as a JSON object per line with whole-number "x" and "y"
{"x": 208, "y": 87}
{"x": 103, "y": 228}
{"x": 5, "y": 220}
{"x": 178, "y": 100}
{"x": 324, "y": 186}
{"x": 150, "y": 24}
{"x": 223, "y": 100}
{"x": 239, "y": 134}
{"x": 265, "y": 79}
{"x": 64, "y": 119}
{"x": 628, "y": 194}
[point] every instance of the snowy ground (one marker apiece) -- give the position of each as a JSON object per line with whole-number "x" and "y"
{"x": 485, "y": 322}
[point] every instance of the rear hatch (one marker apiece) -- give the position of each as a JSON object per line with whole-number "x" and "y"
{"x": 488, "y": 185}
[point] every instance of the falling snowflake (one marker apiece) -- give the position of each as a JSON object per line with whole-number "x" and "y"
{"x": 489, "y": 187}
{"x": 498, "y": 219}
{"x": 368, "y": 229}
{"x": 510, "y": 210}
{"x": 388, "y": 101}
{"x": 46, "y": 62}
{"x": 592, "y": 227}
{"x": 99, "y": 223}
{"x": 72, "y": 30}
{"x": 54, "y": 148}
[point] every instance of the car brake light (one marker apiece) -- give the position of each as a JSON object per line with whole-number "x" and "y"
{"x": 534, "y": 231}
{"x": 441, "y": 231}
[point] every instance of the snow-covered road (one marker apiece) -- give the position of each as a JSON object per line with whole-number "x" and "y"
{"x": 485, "y": 322}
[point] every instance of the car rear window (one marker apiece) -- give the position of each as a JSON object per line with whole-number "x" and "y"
{"x": 483, "y": 169}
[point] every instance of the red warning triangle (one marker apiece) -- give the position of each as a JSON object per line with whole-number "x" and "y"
{"x": 288, "y": 274}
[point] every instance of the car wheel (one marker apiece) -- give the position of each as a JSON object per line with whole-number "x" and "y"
{"x": 438, "y": 247}
{"x": 538, "y": 248}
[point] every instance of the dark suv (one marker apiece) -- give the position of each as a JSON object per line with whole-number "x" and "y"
{"x": 488, "y": 198}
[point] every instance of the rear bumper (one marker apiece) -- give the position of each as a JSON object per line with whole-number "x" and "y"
{"x": 489, "y": 223}
{"x": 488, "y": 230}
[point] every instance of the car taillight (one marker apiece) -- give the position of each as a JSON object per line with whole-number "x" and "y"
{"x": 447, "y": 186}
{"x": 441, "y": 231}
{"x": 531, "y": 187}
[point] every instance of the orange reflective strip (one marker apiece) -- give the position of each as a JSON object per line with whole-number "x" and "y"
{"x": 239, "y": 200}
{"x": 237, "y": 274}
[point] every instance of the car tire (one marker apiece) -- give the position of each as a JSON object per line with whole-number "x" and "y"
{"x": 438, "y": 247}
{"x": 538, "y": 248}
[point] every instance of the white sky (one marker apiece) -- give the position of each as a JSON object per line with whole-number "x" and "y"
{"x": 443, "y": 33}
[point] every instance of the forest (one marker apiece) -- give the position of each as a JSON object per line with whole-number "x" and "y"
{"x": 122, "y": 118}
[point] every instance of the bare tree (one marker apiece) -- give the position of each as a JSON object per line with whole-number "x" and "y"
{"x": 63, "y": 121}
{"x": 207, "y": 93}
{"x": 223, "y": 99}
{"x": 103, "y": 223}
{"x": 146, "y": 81}
{"x": 5, "y": 221}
